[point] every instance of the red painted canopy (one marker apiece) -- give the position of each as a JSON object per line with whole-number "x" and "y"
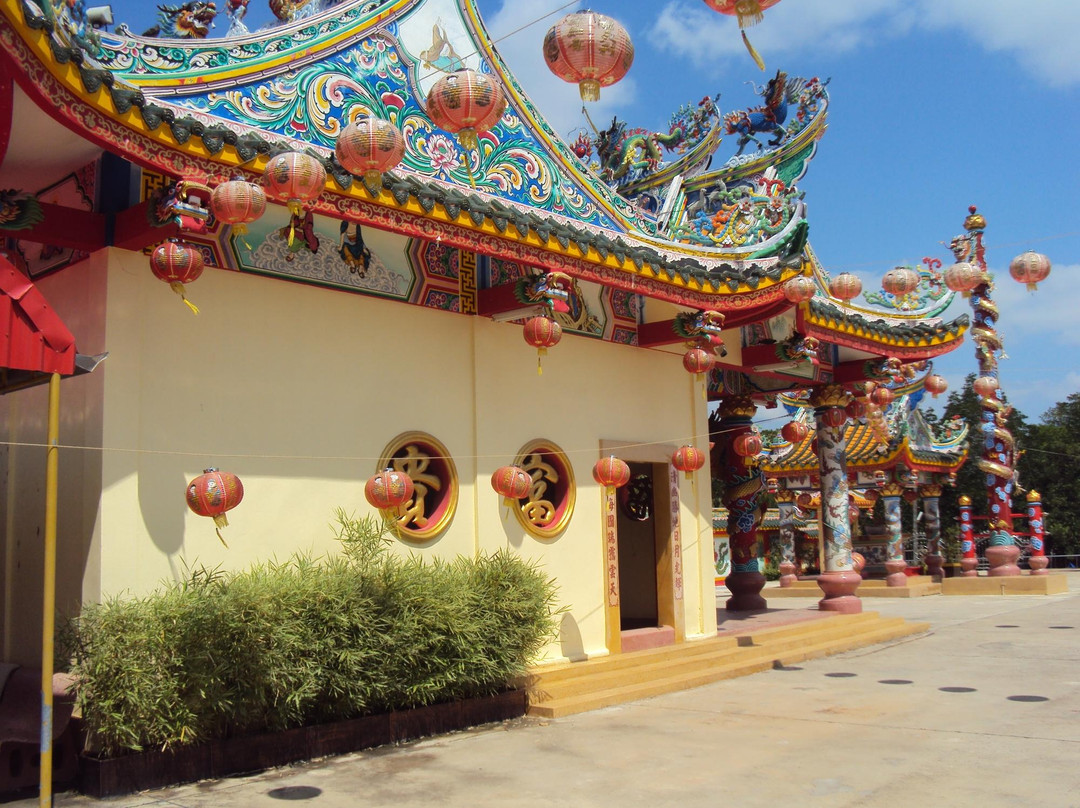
{"x": 32, "y": 335}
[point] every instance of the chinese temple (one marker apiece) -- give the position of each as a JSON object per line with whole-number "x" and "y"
{"x": 401, "y": 270}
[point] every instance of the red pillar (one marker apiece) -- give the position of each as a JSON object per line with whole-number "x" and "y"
{"x": 1037, "y": 560}
{"x": 970, "y": 557}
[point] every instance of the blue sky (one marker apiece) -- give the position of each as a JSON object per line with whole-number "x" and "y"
{"x": 936, "y": 105}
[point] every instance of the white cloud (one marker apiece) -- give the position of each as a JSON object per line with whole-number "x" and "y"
{"x": 1041, "y": 35}
{"x": 522, "y": 49}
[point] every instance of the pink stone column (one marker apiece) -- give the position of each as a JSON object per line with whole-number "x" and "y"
{"x": 970, "y": 557}
{"x": 838, "y": 580}
{"x": 785, "y": 504}
{"x": 1037, "y": 560}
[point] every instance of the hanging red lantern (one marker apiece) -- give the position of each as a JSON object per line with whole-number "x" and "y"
{"x": 747, "y": 444}
{"x": 872, "y": 496}
{"x": 213, "y": 493}
{"x": 588, "y": 49}
{"x": 512, "y": 482}
{"x": 963, "y": 277}
{"x": 935, "y": 384}
{"x": 466, "y": 102}
{"x": 688, "y": 459}
{"x": 911, "y": 496}
{"x": 369, "y": 146}
{"x": 294, "y": 178}
{"x": 542, "y": 333}
{"x": 857, "y": 408}
{"x": 177, "y": 263}
{"x": 800, "y": 289}
{"x": 985, "y": 386}
{"x": 900, "y": 281}
{"x": 748, "y": 13}
{"x": 882, "y": 396}
{"x": 611, "y": 472}
{"x": 845, "y": 286}
{"x": 1030, "y": 268}
{"x": 804, "y": 500}
{"x": 794, "y": 431}
{"x": 389, "y": 490}
{"x": 698, "y": 361}
{"x": 238, "y": 203}
{"x": 834, "y": 417}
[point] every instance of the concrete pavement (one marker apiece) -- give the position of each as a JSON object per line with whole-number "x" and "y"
{"x": 982, "y": 711}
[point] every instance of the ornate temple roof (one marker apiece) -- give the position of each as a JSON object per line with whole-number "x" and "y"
{"x": 670, "y": 228}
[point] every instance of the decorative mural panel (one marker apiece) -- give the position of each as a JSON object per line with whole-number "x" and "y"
{"x": 322, "y": 251}
{"x": 546, "y": 510}
{"x": 501, "y": 271}
{"x": 625, "y": 308}
{"x": 76, "y": 190}
{"x": 435, "y": 483}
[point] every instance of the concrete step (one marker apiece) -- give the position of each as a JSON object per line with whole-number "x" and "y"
{"x": 615, "y": 680}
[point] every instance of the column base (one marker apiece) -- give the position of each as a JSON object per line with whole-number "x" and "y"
{"x": 787, "y": 574}
{"x": 745, "y": 588}
{"x": 1038, "y": 565}
{"x": 896, "y": 575}
{"x": 839, "y": 588}
{"x": 1002, "y": 558}
{"x": 968, "y": 567}
{"x": 935, "y": 564}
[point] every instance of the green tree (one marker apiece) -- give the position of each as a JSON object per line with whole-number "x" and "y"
{"x": 1051, "y": 465}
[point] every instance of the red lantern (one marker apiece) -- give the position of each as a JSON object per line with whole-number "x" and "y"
{"x": 590, "y": 50}
{"x": 833, "y": 417}
{"x": 882, "y": 396}
{"x": 804, "y": 500}
{"x": 900, "y": 281}
{"x": 213, "y": 493}
{"x": 698, "y": 360}
{"x": 872, "y": 497}
{"x": 985, "y": 386}
{"x": 466, "y": 102}
{"x": 911, "y": 496}
{"x": 800, "y": 289}
{"x": 935, "y": 384}
{"x": 369, "y": 146}
{"x": 747, "y": 444}
{"x": 748, "y": 13}
{"x": 295, "y": 179}
{"x": 1031, "y": 268}
{"x": 963, "y": 277}
{"x": 177, "y": 263}
{"x": 238, "y": 203}
{"x": 611, "y": 472}
{"x": 542, "y": 333}
{"x": 688, "y": 459}
{"x": 794, "y": 431}
{"x": 845, "y": 286}
{"x": 389, "y": 490}
{"x": 856, "y": 408}
{"x": 512, "y": 482}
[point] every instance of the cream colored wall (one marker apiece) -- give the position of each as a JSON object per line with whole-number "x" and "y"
{"x": 78, "y": 297}
{"x": 297, "y": 389}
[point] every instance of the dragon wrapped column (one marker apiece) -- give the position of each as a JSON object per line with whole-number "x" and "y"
{"x": 969, "y": 556}
{"x": 894, "y": 548}
{"x": 1037, "y": 560}
{"x": 744, "y": 498}
{"x": 785, "y": 504}
{"x": 838, "y": 580}
{"x": 931, "y": 497}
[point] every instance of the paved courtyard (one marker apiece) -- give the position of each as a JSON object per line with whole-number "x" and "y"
{"x": 982, "y": 711}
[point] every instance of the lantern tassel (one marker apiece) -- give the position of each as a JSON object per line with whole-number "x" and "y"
{"x": 240, "y": 230}
{"x": 753, "y": 53}
{"x": 295, "y": 209}
{"x": 221, "y": 521}
{"x": 539, "y": 366}
{"x": 178, "y": 287}
{"x": 468, "y": 168}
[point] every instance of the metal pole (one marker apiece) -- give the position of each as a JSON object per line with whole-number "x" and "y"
{"x": 48, "y": 617}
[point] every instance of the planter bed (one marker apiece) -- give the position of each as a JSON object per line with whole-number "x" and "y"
{"x": 109, "y": 777}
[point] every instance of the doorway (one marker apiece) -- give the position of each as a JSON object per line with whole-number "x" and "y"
{"x": 636, "y": 524}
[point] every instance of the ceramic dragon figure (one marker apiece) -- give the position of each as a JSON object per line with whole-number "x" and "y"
{"x": 778, "y": 94}
{"x": 192, "y": 20}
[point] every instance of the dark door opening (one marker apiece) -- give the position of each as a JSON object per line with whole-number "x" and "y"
{"x": 637, "y": 550}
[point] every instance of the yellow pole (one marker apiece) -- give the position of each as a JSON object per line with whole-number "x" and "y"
{"x": 48, "y": 616}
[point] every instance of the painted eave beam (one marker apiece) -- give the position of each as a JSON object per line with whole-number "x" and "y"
{"x": 72, "y": 228}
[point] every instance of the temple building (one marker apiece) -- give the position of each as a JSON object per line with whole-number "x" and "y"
{"x": 407, "y": 314}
